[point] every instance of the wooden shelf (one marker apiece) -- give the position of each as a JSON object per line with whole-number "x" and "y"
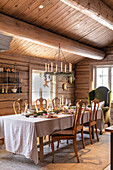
{"x": 9, "y": 80}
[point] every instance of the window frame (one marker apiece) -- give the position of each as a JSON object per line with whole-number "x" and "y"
{"x": 110, "y": 67}
{"x": 40, "y": 68}
{"x": 109, "y": 74}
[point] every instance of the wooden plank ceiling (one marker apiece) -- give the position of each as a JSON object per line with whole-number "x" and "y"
{"x": 108, "y": 3}
{"x": 59, "y": 18}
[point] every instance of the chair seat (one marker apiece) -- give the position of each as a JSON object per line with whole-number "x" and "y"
{"x": 63, "y": 133}
{"x": 92, "y": 123}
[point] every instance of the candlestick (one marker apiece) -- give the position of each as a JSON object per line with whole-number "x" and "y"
{"x": 65, "y": 67}
{"x": 56, "y": 67}
{"x": 62, "y": 100}
{"x": 48, "y": 67}
{"x": 45, "y": 67}
{"x": 61, "y": 66}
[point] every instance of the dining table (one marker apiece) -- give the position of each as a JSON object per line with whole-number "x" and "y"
{"x": 20, "y": 132}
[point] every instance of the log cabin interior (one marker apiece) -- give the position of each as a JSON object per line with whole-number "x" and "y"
{"x": 39, "y": 39}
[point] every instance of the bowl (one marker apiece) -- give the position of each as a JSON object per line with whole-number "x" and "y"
{"x": 14, "y": 90}
{"x": 27, "y": 115}
{"x": 29, "y": 111}
{"x": 35, "y": 115}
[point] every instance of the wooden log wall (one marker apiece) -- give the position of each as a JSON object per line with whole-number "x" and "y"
{"x": 83, "y": 76}
{"x": 21, "y": 64}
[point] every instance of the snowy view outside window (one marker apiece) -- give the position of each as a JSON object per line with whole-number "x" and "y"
{"x": 38, "y": 88}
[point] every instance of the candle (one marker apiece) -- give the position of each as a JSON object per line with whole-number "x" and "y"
{"x": 48, "y": 67}
{"x": 62, "y": 99}
{"x": 69, "y": 67}
{"x": 66, "y": 102}
{"x": 56, "y": 67}
{"x": 60, "y": 102}
{"x": 61, "y": 66}
{"x": 47, "y": 103}
{"x": 45, "y": 67}
{"x": 51, "y": 67}
{"x": 65, "y": 67}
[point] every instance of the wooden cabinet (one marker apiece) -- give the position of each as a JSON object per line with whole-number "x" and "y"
{"x": 11, "y": 82}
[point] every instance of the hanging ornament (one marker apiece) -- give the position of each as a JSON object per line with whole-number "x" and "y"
{"x": 70, "y": 80}
{"x": 46, "y": 83}
{"x": 64, "y": 86}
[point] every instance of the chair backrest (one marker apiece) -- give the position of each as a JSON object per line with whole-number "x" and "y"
{"x": 102, "y": 94}
{"x": 79, "y": 114}
{"x": 42, "y": 104}
{"x": 56, "y": 103}
{"x": 20, "y": 106}
{"x": 94, "y": 110}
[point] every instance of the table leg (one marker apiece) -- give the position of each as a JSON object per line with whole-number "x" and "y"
{"x": 111, "y": 151}
{"x": 92, "y": 132}
{"x": 41, "y": 148}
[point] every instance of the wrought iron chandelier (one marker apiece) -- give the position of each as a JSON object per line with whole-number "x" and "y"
{"x": 52, "y": 70}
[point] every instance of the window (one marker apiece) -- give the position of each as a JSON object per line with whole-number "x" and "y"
{"x": 38, "y": 88}
{"x": 104, "y": 77}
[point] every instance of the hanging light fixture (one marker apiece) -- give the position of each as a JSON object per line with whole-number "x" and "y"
{"x": 52, "y": 70}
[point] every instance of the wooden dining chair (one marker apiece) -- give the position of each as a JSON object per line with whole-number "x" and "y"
{"x": 19, "y": 106}
{"x": 93, "y": 119}
{"x": 56, "y": 103}
{"x": 42, "y": 104}
{"x": 71, "y": 133}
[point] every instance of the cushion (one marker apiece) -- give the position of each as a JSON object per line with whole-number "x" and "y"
{"x": 63, "y": 133}
{"x": 101, "y": 104}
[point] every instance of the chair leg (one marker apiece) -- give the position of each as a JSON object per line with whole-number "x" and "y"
{"x": 92, "y": 127}
{"x": 90, "y": 134}
{"x": 108, "y": 124}
{"x": 96, "y": 132}
{"x": 49, "y": 140}
{"x": 100, "y": 132}
{"x": 44, "y": 137}
{"x": 75, "y": 148}
{"x": 58, "y": 144}
{"x": 52, "y": 147}
{"x": 82, "y": 138}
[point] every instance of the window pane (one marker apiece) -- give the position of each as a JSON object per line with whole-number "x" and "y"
{"x": 38, "y": 89}
{"x": 102, "y": 77}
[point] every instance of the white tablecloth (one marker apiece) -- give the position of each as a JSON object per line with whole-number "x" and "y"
{"x": 20, "y": 133}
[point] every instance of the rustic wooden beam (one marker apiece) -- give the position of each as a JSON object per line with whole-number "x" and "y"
{"x": 37, "y": 35}
{"x": 95, "y": 9}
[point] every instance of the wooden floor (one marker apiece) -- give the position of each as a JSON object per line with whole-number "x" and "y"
{"x": 93, "y": 157}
